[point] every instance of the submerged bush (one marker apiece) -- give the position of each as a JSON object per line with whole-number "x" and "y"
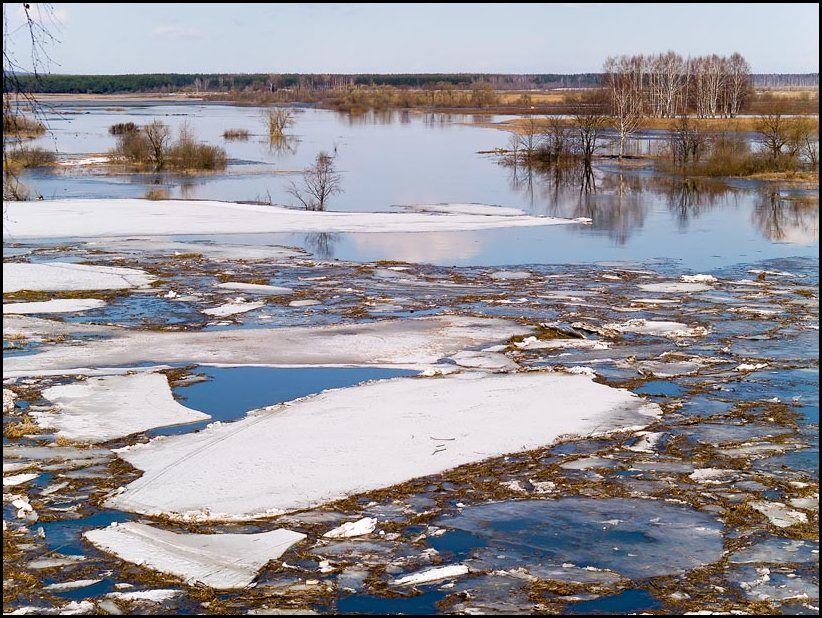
{"x": 189, "y": 154}
{"x": 122, "y": 127}
{"x": 240, "y": 134}
{"x": 152, "y": 145}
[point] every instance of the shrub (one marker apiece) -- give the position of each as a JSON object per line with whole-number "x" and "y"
{"x": 133, "y": 147}
{"x": 189, "y": 154}
{"x": 151, "y": 145}
{"x": 122, "y": 127}
{"x": 25, "y": 156}
{"x": 17, "y": 124}
{"x": 238, "y": 134}
{"x": 278, "y": 120}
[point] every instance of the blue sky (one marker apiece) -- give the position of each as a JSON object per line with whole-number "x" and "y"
{"x": 350, "y": 38}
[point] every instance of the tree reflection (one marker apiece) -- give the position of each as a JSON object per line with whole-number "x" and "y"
{"x": 321, "y": 244}
{"x": 690, "y": 198}
{"x": 618, "y": 202}
{"x": 788, "y": 219}
{"x": 612, "y": 201}
{"x": 282, "y": 145}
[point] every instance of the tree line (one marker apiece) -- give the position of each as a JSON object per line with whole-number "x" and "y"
{"x": 205, "y": 82}
{"x": 668, "y": 85}
{"x": 669, "y": 66}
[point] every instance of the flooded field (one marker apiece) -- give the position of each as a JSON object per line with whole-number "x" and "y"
{"x": 604, "y": 402}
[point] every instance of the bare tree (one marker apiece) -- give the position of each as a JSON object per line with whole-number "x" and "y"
{"x": 802, "y": 140}
{"x": 37, "y": 28}
{"x": 772, "y": 133}
{"x": 277, "y": 121}
{"x": 738, "y": 83}
{"x": 623, "y": 83}
{"x": 558, "y": 140}
{"x": 687, "y": 141}
{"x": 589, "y": 125}
{"x": 158, "y": 136}
{"x": 530, "y": 140}
{"x": 319, "y": 182}
{"x": 514, "y": 148}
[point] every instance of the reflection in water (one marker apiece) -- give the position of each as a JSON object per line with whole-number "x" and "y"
{"x": 689, "y": 198}
{"x": 188, "y": 190}
{"x": 612, "y": 201}
{"x": 635, "y": 211}
{"x": 786, "y": 219}
{"x": 620, "y": 210}
{"x": 321, "y": 244}
{"x": 422, "y": 247}
{"x": 430, "y": 119}
{"x": 282, "y": 145}
{"x": 619, "y": 202}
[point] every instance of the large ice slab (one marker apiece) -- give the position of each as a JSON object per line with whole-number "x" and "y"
{"x": 406, "y": 343}
{"x": 342, "y": 442}
{"x": 87, "y": 218}
{"x": 65, "y": 276}
{"x": 102, "y": 409}
{"x": 57, "y": 305}
{"x": 221, "y": 561}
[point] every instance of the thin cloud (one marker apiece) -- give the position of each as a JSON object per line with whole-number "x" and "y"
{"x": 176, "y": 32}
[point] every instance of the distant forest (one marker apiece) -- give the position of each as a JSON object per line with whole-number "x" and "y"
{"x": 204, "y": 82}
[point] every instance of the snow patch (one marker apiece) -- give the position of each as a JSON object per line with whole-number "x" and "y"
{"x": 84, "y": 218}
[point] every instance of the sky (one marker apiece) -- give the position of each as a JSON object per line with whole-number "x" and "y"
{"x": 412, "y": 38}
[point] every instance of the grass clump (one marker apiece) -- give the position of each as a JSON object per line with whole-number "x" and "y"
{"x": 157, "y": 194}
{"x": 236, "y": 134}
{"x": 26, "y": 427}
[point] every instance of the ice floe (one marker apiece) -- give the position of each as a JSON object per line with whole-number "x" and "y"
{"x": 415, "y": 343}
{"x": 105, "y": 408}
{"x": 491, "y": 361}
{"x": 366, "y": 525}
{"x": 659, "y": 328}
{"x": 71, "y": 585}
{"x": 221, "y": 561}
{"x": 19, "y": 479}
{"x": 415, "y": 427}
{"x": 779, "y": 514}
{"x": 57, "y": 305}
{"x": 675, "y": 287}
{"x": 66, "y": 276}
{"x": 235, "y": 308}
{"x": 466, "y": 209}
{"x": 432, "y": 575}
{"x": 533, "y": 343}
{"x": 255, "y": 288}
{"x": 86, "y": 218}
